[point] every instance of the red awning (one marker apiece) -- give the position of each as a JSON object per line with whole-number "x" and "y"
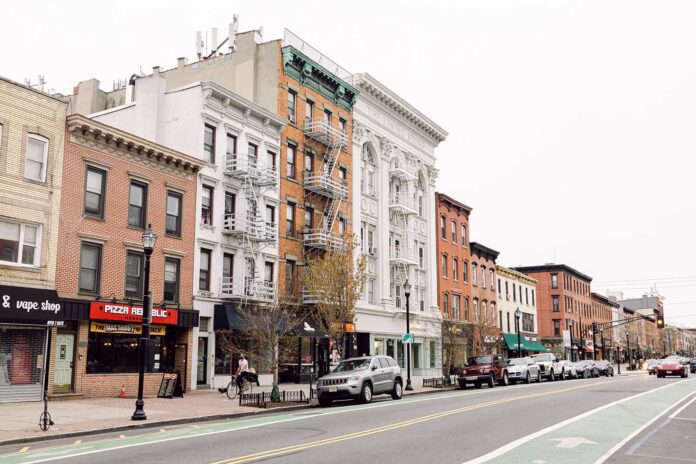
{"x": 587, "y": 350}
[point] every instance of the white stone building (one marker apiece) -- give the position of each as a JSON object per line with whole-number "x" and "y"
{"x": 517, "y": 290}
{"x": 393, "y": 215}
{"x": 237, "y": 198}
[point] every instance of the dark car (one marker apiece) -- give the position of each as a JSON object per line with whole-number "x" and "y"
{"x": 692, "y": 366}
{"x": 604, "y": 368}
{"x": 487, "y": 369}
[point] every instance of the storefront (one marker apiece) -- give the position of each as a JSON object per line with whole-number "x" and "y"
{"x": 26, "y": 314}
{"x": 527, "y": 345}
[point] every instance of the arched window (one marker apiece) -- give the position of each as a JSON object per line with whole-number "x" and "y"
{"x": 443, "y": 229}
{"x": 476, "y": 310}
{"x": 445, "y": 300}
{"x": 465, "y": 271}
{"x": 368, "y": 167}
{"x": 444, "y": 265}
{"x": 420, "y": 195}
{"x": 455, "y": 269}
{"x": 466, "y": 309}
{"x": 463, "y": 235}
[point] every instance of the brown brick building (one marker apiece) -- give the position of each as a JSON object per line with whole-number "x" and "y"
{"x": 601, "y": 313}
{"x": 563, "y": 295}
{"x": 484, "y": 298}
{"x": 120, "y": 183}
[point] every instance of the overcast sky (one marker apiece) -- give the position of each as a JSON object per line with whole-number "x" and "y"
{"x": 571, "y": 123}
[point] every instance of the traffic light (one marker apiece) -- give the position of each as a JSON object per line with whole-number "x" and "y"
{"x": 660, "y": 321}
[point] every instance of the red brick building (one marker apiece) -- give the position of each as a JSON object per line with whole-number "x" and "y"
{"x": 119, "y": 184}
{"x": 601, "y": 313}
{"x": 564, "y": 302}
{"x": 484, "y": 294}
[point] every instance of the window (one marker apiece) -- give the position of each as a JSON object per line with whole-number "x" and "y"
{"x": 463, "y": 235}
{"x": 292, "y": 99}
{"x": 476, "y": 310}
{"x": 204, "y": 270}
{"x": 445, "y": 304}
{"x": 527, "y": 322}
{"x": 90, "y": 267}
{"x": 309, "y": 218}
{"x": 371, "y": 239}
{"x": 474, "y": 268}
{"x": 231, "y": 146}
{"x": 290, "y": 167}
{"x": 492, "y": 279}
{"x": 271, "y": 160}
{"x": 484, "y": 311}
{"x": 137, "y": 205}
{"x": 230, "y": 207}
{"x": 342, "y": 128}
{"x": 227, "y": 268}
{"x": 371, "y": 291}
{"x": 454, "y": 232}
{"x": 209, "y": 144}
{"x": 533, "y": 298}
{"x": 207, "y": 206}
{"x": 308, "y": 162}
{"x": 508, "y": 322}
{"x": 171, "y": 280}
{"x": 483, "y": 276}
{"x": 526, "y": 295}
{"x": 95, "y": 186}
{"x": 134, "y": 275}
{"x": 173, "y": 221}
{"x": 465, "y": 271}
{"x": 309, "y": 110}
{"x": 19, "y": 243}
{"x": 342, "y": 174}
{"x": 327, "y": 119}
{"x": 253, "y": 154}
{"x": 554, "y": 303}
{"x": 455, "y": 307}
{"x": 342, "y": 225}
{"x": 444, "y": 266}
{"x": 290, "y": 220}
{"x": 443, "y": 232}
{"x": 466, "y": 309}
{"x": 270, "y": 214}
{"x": 421, "y": 257}
{"x": 556, "y": 328}
{"x": 35, "y": 161}
{"x": 499, "y": 288}
{"x": 554, "y": 280}
{"x": 397, "y": 296}
{"x": 421, "y": 211}
{"x": 455, "y": 269}
{"x": 514, "y": 292}
{"x": 421, "y": 299}
{"x": 290, "y": 277}
{"x": 371, "y": 183}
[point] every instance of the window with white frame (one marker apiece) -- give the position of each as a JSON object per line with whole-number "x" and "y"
{"x": 444, "y": 265}
{"x": 35, "y": 160}
{"x": 455, "y": 269}
{"x": 454, "y": 231}
{"x": 371, "y": 291}
{"x": 463, "y": 235}
{"x": 474, "y": 269}
{"x": 483, "y": 276}
{"x": 455, "y": 307}
{"x": 20, "y": 243}
{"x": 492, "y": 279}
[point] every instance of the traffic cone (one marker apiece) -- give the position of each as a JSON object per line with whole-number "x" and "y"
{"x": 122, "y": 393}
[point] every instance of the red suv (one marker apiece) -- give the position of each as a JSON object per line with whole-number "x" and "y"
{"x": 487, "y": 369}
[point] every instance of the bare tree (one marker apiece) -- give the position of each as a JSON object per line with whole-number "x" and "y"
{"x": 453, "y": 346}
{"x": 335, "y": 280}
{"x": 486, "y": 333}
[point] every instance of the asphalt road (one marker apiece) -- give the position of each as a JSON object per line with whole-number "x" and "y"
{"x": 574, "y": 421}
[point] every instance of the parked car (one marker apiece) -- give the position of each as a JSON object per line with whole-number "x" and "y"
{"x": 572, "y": 371}
{"x": 550, "y": 367}
{"x": 692, "y": 366}
{"x": 586, "y": 369}
{"x": 487, "y": 369}
{"x": 604, "y": 368}
{"x": 651, "y": 365}
{"x": 672, "y": 366}
{"x": 523, "y": 370}
{"x": 361, "y": 378}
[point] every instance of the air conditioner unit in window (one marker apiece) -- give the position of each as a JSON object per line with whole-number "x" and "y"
{"x": 373, "y": 251}
{"x": 292, "y": 118}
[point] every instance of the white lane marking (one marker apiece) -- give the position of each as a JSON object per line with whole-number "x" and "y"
{"x": 630, "y": 437}
{"x": 521, "y": 441}
{"x": 678, "y": 411}
{"x": 664, "y": 458}
{"x": 683, "y": 418}
{"x": 572, "y": 442}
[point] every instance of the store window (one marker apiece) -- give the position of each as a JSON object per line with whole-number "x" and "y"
{"x": 118, "y": 353}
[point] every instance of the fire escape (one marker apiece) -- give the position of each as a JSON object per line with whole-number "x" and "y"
{"x": 251, "y": 228}
{"x": 402, "y": 206}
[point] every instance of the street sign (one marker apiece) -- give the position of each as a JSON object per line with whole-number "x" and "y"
{"x": 407, "y": 338}
{"x": 566, "y": 338}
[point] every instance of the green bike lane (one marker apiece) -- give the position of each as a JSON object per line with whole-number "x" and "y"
{"x": 594, "y": 436}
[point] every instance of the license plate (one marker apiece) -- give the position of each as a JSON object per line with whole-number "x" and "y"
{"x": 669, "y": 372}
{"x": 470, "y": 378}
{"x": 333, "y": 389}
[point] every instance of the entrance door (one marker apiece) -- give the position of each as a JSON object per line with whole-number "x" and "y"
{"x": 62, "y": 381}
{"x": 202, "y": 377}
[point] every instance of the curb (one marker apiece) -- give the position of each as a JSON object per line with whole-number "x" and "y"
{"x": 183, "y": 420}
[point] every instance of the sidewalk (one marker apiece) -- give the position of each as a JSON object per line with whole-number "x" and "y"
{"x": 20, "y": 420}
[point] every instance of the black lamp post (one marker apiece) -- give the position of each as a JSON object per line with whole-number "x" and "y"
{"x": 407, "y": 294}
{"x": 149, "y": 239}
{"x": 518, "y": 314}
{"x": 570, "y": 329}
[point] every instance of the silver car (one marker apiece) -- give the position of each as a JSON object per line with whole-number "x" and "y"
{"x": 523, "y": 370}
{"x": 361, "y": 379}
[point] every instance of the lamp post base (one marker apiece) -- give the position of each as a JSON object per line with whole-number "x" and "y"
{"x": 139, "y": 413}
{"x": 409, "y": 387}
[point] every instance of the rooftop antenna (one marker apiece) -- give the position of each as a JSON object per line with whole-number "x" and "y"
{"x": 199, "y": 44}
{"x": 232, "y": 35}
{"x": 39, "y": 84}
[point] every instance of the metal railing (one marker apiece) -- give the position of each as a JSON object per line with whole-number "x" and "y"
{"x": 323, "y": 240}
{"x": 261, "y": 400}
{"x": 438, "y": 382}
{"x": 241, "y": 164}
{"x": 402, "y": 254}
{"x": 247, "y": 288}
{"x": 292, "y": 40}
{"x": 403, "y": 202}
{"x": 402, "y": 172}
{"x": 323, "y": 132}
{"x": 255, "y": 227}
{"x": 326, "y": 185}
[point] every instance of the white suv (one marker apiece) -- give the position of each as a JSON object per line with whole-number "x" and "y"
{"x": 551, "y": 368}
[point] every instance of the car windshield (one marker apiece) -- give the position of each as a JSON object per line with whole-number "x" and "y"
{"x": 518, "y": 362}
{"x": 479, "y": 360}
{"x": 353, "y": 365}
{"x": 541, "y": 357}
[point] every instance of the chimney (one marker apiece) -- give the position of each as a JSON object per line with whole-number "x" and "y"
{"x": 155, "y": 70}
{"x": 199, "y": 44}
{"x": 232, "y": 34}
{"x": 214, "y": 46}
{"x": 181, "y": 62}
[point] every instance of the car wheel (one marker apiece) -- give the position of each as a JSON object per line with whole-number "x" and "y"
{"x": 398, "y": 390}
{"x": 477, "y": 384}
{"x": 552, "y": 376}
{"x": 366, "y": 393}
{"x": 539, "y": 377}
{"x": 462, "y": 384}
{"x": 324, "y": 402}
{"x": 505, "y": 381}
{"x": 527, "y": 379}
{"x": 563, "y": 375}
{"x": 586, "y": 375}
{"x": 491, "y": 380}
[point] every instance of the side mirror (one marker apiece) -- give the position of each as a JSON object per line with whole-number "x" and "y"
{"x": 374, "y": 367}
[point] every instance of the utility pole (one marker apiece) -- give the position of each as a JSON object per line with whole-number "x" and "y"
{"x": 594, "y": 341}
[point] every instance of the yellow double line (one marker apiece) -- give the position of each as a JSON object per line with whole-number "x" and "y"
{"x": 386, "y": 428}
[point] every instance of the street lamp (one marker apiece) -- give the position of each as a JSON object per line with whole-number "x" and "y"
{"x": 407, "y": 294}
{"x": 149, "y": 239}
{"x": 570, "y": 329}
{"x": 518, "y": 314}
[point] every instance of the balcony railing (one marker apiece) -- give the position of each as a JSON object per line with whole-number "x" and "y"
{"x": 325, "y": 133}
{"x": 248, "y": 288}
{"x": 400, "y": 171}
{"x": 240, "y": 164}
{"x": 401, "y": 254}
{"x": 326, "y": 185}
{"x": 255, "y": 227}
{"x": 323, "y": 240}
{"x": 402, "y": 202}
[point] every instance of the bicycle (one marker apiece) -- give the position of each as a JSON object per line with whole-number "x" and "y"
{"x": 233, "y": 389}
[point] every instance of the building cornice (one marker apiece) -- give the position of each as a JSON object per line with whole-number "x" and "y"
{"x": 97, "y": 134}
{"x": 483, "y": 251}
{"x": 228, "y": 97}
{"x": 452, "y": 203}
{"x": 371, "y": 86}
{"x": 512, "y": 274}
{"x": 551, "y": 267}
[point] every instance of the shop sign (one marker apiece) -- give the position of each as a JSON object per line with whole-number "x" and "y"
{"x": 128, "y": 329}
{"x": 126, "y": 313}
{"x": 33, "y": 304}
{"x": 348, "y": 328}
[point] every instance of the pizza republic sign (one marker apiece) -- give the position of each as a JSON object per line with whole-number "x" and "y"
{"x": 30, "y": 305}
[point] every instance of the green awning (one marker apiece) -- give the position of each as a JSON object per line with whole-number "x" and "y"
{"x": 525, "y": 345}
{"x": 536, "y": 346}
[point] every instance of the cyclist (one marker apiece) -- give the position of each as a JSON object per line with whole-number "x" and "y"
{"x": 242, "y": 370}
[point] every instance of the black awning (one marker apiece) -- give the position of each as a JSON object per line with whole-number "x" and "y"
{"x": 38, "y": 305}
{"x": 226, "y": 318}
{"x": 188, "y": 318}
{"x": 310, "y": 328}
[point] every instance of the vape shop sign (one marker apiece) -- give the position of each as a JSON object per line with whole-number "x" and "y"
{"x": 105, "y": 311}
{"x": 33, "y": 305}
